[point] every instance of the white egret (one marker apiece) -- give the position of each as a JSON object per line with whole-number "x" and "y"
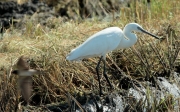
{"x": 105, "y": 41}
{"x": 25, "y": 77}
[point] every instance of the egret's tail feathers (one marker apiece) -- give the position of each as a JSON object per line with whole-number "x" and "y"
{"x": 71, "y": 56}
{"x": 73, "y": 59}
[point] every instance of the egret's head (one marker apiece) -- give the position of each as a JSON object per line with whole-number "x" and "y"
{"x": 133, "y": 27}
{"x": 136, "y": 27}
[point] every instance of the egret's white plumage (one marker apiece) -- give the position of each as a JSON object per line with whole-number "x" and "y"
{"x": 105, "y": 41}
{"x": 96, "y": 46}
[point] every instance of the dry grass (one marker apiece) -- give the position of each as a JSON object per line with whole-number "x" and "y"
{"x": 48, "y": 48}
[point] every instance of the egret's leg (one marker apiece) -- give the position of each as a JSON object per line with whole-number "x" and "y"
{"x": 105, "y": 75}
{"x": 97, "y": 70}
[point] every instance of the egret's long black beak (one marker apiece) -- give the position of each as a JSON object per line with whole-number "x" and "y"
{"x": 144, "y": 31}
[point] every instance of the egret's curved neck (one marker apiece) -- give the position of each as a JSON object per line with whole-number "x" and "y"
{"x": 130, "y": 38}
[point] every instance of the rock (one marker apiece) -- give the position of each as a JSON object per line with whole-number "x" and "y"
{"x": 11, "y": 11}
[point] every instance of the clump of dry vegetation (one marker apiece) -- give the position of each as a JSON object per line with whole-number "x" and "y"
{"x": 48, "y": 48}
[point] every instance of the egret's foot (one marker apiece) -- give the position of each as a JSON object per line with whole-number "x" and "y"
{"x": 111, "y": 87}
{"x": 101, "y": 93}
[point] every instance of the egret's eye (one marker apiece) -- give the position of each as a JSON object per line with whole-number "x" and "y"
{"x": 139, "y": 28}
